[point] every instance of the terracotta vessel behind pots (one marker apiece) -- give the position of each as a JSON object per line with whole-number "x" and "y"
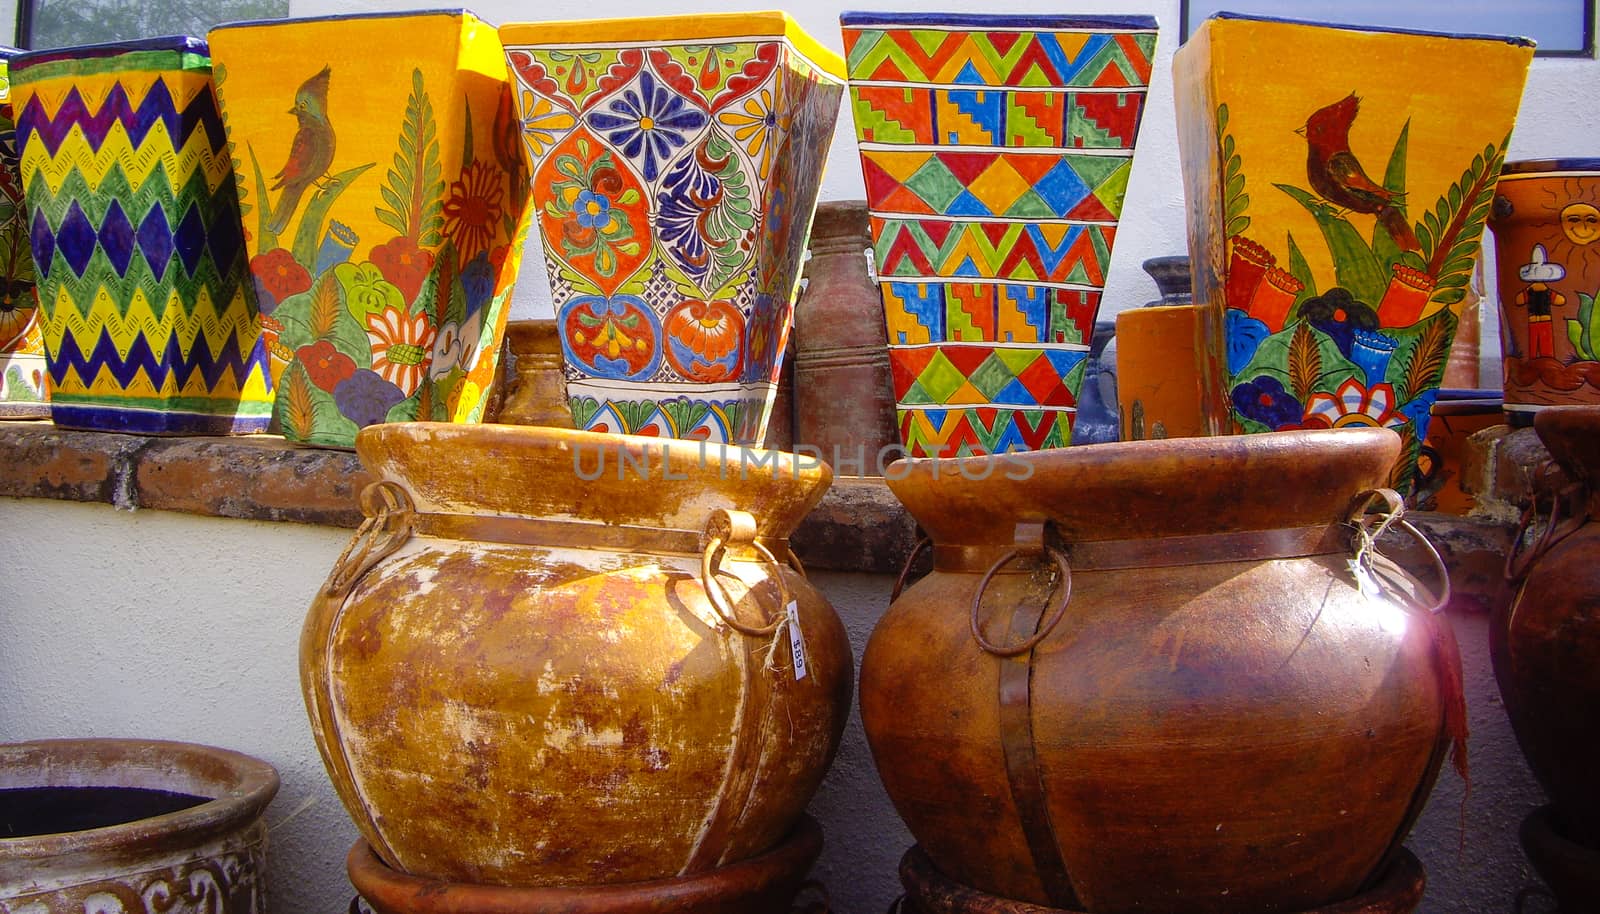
{"x": 133, "y": 826}
{"x": 1546, "y": 642}
{"x": 1142, "y": 677}
{"x": 557, "y": 658}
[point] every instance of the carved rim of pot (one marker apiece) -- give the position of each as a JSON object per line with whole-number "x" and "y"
{"x": 1148, "y": 489}
{"x": 238, "y": 786}
{"x": 590, "y": 477}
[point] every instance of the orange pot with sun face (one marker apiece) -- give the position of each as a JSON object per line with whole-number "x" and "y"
{"x": 1546, "y": 222}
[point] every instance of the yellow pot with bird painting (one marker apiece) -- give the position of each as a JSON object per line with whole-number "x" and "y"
{"x": 1336, "y": 212}
{"x": 384, "y": 201}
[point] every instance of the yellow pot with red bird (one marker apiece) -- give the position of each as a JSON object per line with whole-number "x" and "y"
{"x": 1336, "y": 211}
{"x": 385, "y": 201}
{"x": 558, "y": 658}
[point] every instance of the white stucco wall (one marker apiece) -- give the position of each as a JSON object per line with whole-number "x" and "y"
{"x": 156, "y": 625}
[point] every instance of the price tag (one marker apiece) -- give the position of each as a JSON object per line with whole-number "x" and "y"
{"x": 797, "y": 641}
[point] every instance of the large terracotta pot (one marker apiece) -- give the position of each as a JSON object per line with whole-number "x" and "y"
{"x": 1546, "y": 221}
{"x": 929, "y": 891}
{"x": 996, "y": 151}
{"x": 1336, "y": 210}
{"x": 385, "y": 197}
{"x": 1212, "y": 716}
{"x": 1546, "y": 641}
{"x": 676, "y": 166}
{"x": 561, "y": 658}
{"x": 844, "y": 400}
{"x": 132, "y": 826}
{"x": 145, "y": 309}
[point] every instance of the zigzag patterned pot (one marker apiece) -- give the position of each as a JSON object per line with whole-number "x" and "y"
{"x": 386, "y": 204}
{"x": 676, "y": 168}
{"x": 996, "y": 150}
{"x": 135, "y": 231}
{"x": 22, "y": 366}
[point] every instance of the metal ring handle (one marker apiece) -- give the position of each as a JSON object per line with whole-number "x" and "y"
{"x": 725, "y": 527}
{"x": 1045, "y": 629}
{"x": 388, "y": 525}
{"x": 905, "y": 570}
{"x": 1369, "y": 526}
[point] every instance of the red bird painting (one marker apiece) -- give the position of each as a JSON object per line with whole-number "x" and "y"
{"x": 311, "y": 153}
{"x": 1338, "y": 177}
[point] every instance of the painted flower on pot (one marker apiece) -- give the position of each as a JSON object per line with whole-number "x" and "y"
{"x": 754, "y": 126}
{"x": 1244, "y": 335}
{"x": 648, "y": 123}
{"x": 16, "y": 316}
{"x": 1264, "y": 399}
{"x": 365, "y": 398}
{"x": 1353, "y": 404}
{"x": 1338, "y": 314}
{"x": 544, "y": 123}
{"x": 402, "y": 263}
{"x": 596, "y": 210}
{"x": 366, "y": 291}
{"x": 401, "y": 346}
{"x": 453, "y": 347}
{"x": 615, "y": 338}
{"x": 277, "y": 275}
{"x": 472, "y": 212}
{"x": 325, "y": 365}
{"x": 704, "y": 340}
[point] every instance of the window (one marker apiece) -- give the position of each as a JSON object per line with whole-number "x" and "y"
{"x": 1563, "y": 28}
{"x": 59, "y": 23}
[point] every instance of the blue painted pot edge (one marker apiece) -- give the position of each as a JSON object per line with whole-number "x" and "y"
{"x": 180, "y": 43}
{"x": 1024, "y": 22}
{"x": 1389, "y": 30}
{"x": 332, "y": 17}
{"x": 1534, "y": 166}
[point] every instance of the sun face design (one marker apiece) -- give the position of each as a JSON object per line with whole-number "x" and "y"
{"x": 1576, "y": 208}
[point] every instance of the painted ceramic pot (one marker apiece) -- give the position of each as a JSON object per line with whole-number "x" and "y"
{"x": 133, "y": 826}
{"x": 385, "y": 202}
{"x": 996, "y": 151}
{"x": 1043, "y": 704}
{"x": 1546, "y": 221}
{"x": 1333, "y": 266}
{"x": 22, "y": 364}
{"x": 676, "y": 167}
{"x": 1546, "y": 641}
{"x": 145, "y": 310}
{"x": 557, "y": 658}
{"x": 844, "y": 404}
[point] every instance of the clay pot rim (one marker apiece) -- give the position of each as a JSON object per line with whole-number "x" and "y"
{"x": 1137, "y": 489}
{"x": 239, "y": 786}
{"x": 420, "y": 895}
{"x": 1565, "y": 430}
{"x": 680, "y": 485}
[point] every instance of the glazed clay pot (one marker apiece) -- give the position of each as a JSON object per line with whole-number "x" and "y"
{"x": 135, "y": 826}
{"x": 1546, "y": 642}
{"x": 517, "y": 674}
{"x": 765, "y": 883}
{"x": 1213, "y": 717}
{"x": 535, "y": 393}
{"x": 929, "y": 891}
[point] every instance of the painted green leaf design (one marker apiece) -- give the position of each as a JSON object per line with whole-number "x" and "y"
{"x": 1355, "y": 267}
{"x": 413, "y": 191}
{"x": 308, "y": 237}
{"x": 1299, "y": 269}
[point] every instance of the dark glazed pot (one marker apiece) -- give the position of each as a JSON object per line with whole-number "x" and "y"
{"x": 1546, "y": 642}
{"x": 136, "y": 826}
{"x": 1214, "y": 718}
{"x": 765, "y": 883}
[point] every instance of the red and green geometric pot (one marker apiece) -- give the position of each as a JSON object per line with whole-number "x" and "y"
{"x": 996, "y": 152}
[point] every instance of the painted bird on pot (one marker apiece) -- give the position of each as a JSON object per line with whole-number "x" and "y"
{"x": 311, "y": 153}
{"x": 1337, "y": 176}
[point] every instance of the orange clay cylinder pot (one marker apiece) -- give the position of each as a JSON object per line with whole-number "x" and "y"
{"x": 1144, "y": 676}
{"x": 555, "y": 658}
